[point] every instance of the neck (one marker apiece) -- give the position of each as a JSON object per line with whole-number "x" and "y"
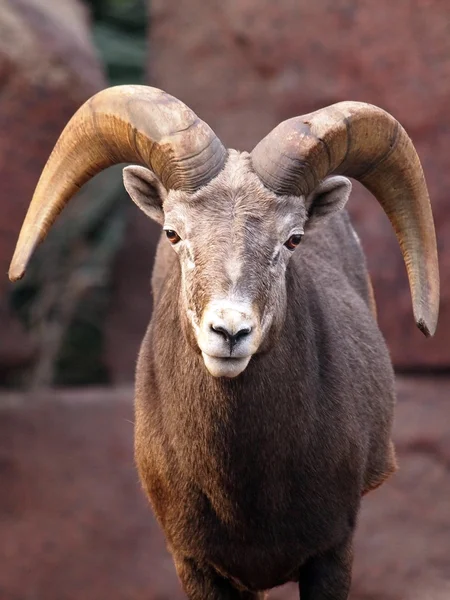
{"x": 213, "y": 422}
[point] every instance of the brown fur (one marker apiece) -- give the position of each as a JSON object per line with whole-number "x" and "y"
{"x": 374, "y": 480}
{"x": 257, "y": 480}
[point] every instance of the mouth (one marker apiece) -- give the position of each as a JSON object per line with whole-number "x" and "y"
{"x": 225, "y": 366}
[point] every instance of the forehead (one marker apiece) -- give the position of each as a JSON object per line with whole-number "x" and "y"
{"x": 235, "y": 196}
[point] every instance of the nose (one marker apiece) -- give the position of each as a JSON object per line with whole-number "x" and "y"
{"x": 232, "y": 337}
{"x": 229, "y": 330}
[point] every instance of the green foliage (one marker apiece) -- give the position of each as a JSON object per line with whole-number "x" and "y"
{"x": 124, "y": 15}
{"x": 120, "y": 31}
{"x": 124, "y": 52}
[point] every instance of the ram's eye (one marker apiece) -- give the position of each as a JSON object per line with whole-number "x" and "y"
{"x": 293, "y": 241}
{"x": 172, "y": 236}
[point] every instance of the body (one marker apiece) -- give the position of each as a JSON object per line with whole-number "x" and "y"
{"x": 252, "y": 476}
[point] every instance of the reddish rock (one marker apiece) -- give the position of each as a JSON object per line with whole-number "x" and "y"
{"x": 74, "y": 522}
{"x": 48, "y": 68}
{"x": 245, "y": 65}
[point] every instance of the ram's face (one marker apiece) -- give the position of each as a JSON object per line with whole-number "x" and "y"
{"x": 234, "y": 240}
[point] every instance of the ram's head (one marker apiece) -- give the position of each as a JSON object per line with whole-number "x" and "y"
{"x": 235, "y": 219}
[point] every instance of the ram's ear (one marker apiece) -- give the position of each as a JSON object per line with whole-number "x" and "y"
{"x": 329, "y": 196}
{"x": 146, "y": 191}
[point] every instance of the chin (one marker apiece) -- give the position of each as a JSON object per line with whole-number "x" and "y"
{"x": 225, "y": 367}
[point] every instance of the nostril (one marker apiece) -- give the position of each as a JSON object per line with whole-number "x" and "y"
{"x": 234, "y": 339}
{"x": 240, "y": 334}
{"x": 221, "y": 331}
{"x": 231, "y": 338}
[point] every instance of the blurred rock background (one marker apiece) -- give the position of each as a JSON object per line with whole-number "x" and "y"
{"x": 51, "y": 61}
{"x": 48, "y": 67}
{"x": 73, "y": 522}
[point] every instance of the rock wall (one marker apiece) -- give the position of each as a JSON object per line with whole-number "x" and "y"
{"x": 244, "y": 66}
{"x": 48, "y": 68}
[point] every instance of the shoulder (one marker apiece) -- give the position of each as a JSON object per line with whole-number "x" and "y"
{"x": 331, "y": 256}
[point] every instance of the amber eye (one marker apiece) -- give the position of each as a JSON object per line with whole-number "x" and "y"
{"x": 172, "y": 236}
{"x": 293, "y": 241}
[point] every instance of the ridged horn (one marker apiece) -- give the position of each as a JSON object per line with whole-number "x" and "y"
{"x": 364, "y": 142}
{"x": 137, "y": 124}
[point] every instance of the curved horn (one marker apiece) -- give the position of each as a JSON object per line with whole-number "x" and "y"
{"x": 127, "y": 123}
{"x": 368, "y": 144}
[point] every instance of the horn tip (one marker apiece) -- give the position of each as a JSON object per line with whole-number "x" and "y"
{"x": 16, "y": 272}
{"x": 18, "y": 264}
{"x": 427, "y": 326}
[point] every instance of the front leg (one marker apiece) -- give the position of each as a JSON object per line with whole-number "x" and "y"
{"x": 206, "y": 584}
{"x": 328, "y": 576}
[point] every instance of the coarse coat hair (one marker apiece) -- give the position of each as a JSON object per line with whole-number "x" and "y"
{"x": 257, "y": 480}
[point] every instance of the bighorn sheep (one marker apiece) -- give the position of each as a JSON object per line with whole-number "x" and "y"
{"x": 264, "y": 392}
